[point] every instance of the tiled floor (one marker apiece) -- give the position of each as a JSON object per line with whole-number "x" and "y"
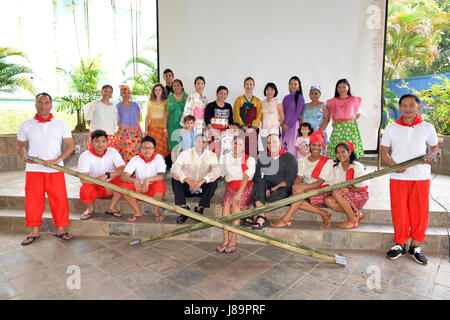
{"x": 109, "y": 268}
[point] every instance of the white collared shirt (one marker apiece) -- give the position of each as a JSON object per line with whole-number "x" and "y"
{"x": 145, "y": 170}
{"x": 97, "y": 166}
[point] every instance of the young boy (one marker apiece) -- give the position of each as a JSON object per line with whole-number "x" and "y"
{"x": 186, "y": 139}
{"x": 105, "y": 164}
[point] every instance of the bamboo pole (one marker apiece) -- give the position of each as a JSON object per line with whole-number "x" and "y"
{"x": 290, "y": 200}
{"x": 284, "y": 244}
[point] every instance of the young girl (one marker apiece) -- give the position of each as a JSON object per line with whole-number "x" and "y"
{"x": 344, "y": 112}
{"x": 156, "y": 118}
{"x": 302, "y": 142}
{"x": 349, "y": 199}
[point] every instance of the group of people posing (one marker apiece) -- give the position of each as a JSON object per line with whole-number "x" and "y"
{"x": 263, "y": 150}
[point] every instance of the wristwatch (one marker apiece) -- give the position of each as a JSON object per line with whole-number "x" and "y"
{"x": 108, "y": 174}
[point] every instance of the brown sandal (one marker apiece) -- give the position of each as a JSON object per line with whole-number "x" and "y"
{"x": 158, "y": 218}
{"x": 279, "y": 223}
{"x": 326, "y": 221}
{"x": 349, "y": 224}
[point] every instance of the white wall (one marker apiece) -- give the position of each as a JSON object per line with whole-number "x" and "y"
{"x": 320, "y": 41}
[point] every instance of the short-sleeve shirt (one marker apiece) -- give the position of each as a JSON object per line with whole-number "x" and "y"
{"x": 102, "y": 116}
{"x": 306, "y": 168}
{"x": 145, "y": 170}
{"x": 346, "y": 108}
{"x": 408, "y": 143}
{"x": 96, "y": 166}
{"x": 231, "y": 168}
{"x": 340, "y": 175}
{"x": 44, "y": 141}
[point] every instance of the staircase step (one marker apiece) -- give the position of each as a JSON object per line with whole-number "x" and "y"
{"x": 310, "y": 233}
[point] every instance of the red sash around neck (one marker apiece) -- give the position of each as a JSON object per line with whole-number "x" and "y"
{"x": 149, "y": 160}
{"x": 236, "y": 184}
{"x": 91, "y": 149}
{"x": 350, "y": 175}
{"x": 319, "y": 166}
{"x": 417, "y": 120}
{"x": 282, "y": 151}
{"x": 40, "y": 119}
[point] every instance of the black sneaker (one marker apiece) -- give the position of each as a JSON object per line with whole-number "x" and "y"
{"x": 396, "y": 251}
{"x": 416, "y": 253}
{"x": 182, "y": 219}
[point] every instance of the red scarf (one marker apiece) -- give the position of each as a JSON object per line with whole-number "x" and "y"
{"x": 40, "y": 119}
{"x": 91, "y": 149}
{"x": 417, "y": 120}
{"x": 319, "y": 166}
{"x": 236, "y": 184}
{"x": 350, "y": 175}
{"x": 149, "y": 160}
{"x": 282, "y": 151}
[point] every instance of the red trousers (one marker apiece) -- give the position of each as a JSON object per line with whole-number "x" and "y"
{"x": 91, "y": 192}
{"x": 157, "y": 186}
{"x": 36, "y": 185}
{"x": 410, "y": 209}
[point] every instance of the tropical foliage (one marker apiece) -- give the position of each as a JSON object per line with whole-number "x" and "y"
{"x": 143, "y": 81}
{"x": 14, "y": 76}
{"x": 83, "y": 88}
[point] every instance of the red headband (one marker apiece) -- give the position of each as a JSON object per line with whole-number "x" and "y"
{"x": 350, "y": 145}
{"x": 317, "y": 136}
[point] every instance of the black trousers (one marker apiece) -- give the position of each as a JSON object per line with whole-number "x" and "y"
{"x": 181, "y": 191}
{"x": 260, "y": 187}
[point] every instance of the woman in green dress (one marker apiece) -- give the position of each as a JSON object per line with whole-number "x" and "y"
{"x": 174, "y": 107}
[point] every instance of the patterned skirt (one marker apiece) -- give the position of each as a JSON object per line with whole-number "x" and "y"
{"x": 357, "y": 200}
{"x": 161, "y": 140}
{"x": 345, "y": 131}
{"x": 128, "y": 142}
{"x": 246, "y": 198}
{"x": 111, "y": 141}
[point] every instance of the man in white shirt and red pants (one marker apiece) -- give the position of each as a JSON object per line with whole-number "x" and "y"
{"x": 409, "y": 188}
{"x": 45, "y": 135}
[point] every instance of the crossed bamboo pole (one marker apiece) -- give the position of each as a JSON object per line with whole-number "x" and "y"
{"x": 284, "y": 202}
{"x": 224, "y": 223}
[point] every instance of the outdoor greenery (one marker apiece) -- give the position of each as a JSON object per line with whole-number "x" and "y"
{"x": 14, "y": 76}
{"x": 83, "y": 88}
{"x": 143, "y": 81}
{"x": 436, "y": 102}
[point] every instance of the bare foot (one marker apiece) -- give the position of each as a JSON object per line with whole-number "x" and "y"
{"x": 326, "y": 219}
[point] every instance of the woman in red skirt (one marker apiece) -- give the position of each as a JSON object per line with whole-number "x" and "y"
{"x": 237, "y": 169}
{"x": 348, "y": 199}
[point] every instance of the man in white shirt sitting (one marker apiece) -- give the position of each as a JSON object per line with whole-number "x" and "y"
{"x": 195, "y": 174}
{"x": 105, "y": 164}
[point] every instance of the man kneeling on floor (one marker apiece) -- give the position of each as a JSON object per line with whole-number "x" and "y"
{"x": 149, "y": 168}
{"x": 105, "y": 164}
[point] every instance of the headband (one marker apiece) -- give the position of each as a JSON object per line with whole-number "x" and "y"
{"x": 124, "y": 89}
{"x": 317, "y": 136}
{"x": 317, "y": 87}
{"x": 350, "y": 145}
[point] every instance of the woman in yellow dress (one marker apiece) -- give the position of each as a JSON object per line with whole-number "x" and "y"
{"x": 156, "y": 118}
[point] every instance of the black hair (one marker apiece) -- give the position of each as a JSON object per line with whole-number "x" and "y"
{"x": 299, "y": 92}
{"x": 98, "y": 133}
{"x": 178, "y": 80}
{"x": 44, "y": 94}
{"x": 271, "y": 85}
{"x": 409, "y": 95}
{"x": 199, "y": 78}
{"x": 167, "y": 71}
{"x": 107, "y": 86}
{"x": 275, "y": 134}
{"x": 148, "y": 139}
{"x": 221, "y": 88}
{"x": 307, "y": 125}
{"x": 353, "y": 157}
{"x": 336, "y": 93}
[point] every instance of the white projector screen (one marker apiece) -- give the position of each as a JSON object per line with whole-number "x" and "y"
{"x": 319, "y": 41}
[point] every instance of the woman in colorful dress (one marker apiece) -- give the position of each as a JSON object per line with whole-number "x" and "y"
{"x": 238, "y": 169}
{"x": 102, "y": 115}
{"x": 247, "y": 112}
{"x": 348, "y": 200}
{"x": 156, "y": 118}
{"x": 129, "y": 134}
{"x": 292, "y": 107}
{"x": 272, "y": 115}
{"x": 343, "y": 110}
{"x": 195, "y": 106}
{"x": 175, "y": 107}
{"x": 313, "y": 172}
{"x": 316, "y": 113}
